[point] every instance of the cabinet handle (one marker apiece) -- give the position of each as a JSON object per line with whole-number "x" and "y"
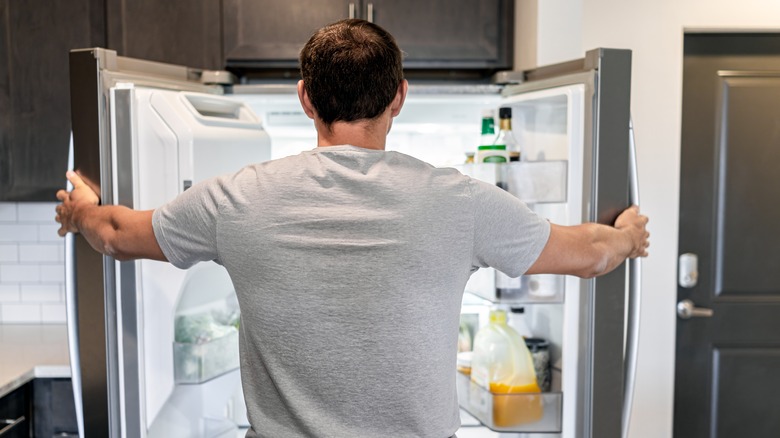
{"x": 351, "y": 10}
{"x": 10, "y": 424}
{"x": 370, "y": 12}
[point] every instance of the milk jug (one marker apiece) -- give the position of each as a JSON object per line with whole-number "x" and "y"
{"x": 502, "y": 364}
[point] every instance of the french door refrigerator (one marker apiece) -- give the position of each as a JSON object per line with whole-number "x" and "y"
{"x": 153, "y": 348}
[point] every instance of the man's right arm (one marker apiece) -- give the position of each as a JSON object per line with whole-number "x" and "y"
{"x": 591, "y": 249}
{"x": 113, "y": 230}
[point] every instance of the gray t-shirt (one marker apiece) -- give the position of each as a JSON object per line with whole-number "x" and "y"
{"x": 349, "y": 265}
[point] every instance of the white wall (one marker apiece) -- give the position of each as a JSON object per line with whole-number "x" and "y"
{"x": 653, "y": 30}
{"x": 559, "y": 28}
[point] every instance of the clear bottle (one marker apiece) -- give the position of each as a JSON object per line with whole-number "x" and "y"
{"x": 505, "y": 136}
{"x": 502, "y": 364}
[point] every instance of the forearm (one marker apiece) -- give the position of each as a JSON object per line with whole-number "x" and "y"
{"x": 586, "y": 250}
{"x": 117, "y": 231}
{"x": 99, "y": 226}
{"x": 611, "y": 246}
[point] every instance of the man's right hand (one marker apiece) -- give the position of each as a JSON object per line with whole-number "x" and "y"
{"x": 635, "y": 225}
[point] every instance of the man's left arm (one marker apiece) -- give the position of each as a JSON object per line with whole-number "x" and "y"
{"x": 113, "y": 230}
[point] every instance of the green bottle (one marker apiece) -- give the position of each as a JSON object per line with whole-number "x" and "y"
{"x": 487, "y": 152}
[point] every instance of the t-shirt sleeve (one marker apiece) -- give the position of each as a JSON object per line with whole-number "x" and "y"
{"x": 508, "y": 236}
{"x": 186, "y": 227}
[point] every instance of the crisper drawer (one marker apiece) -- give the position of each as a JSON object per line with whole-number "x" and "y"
{"x": 534, "y": 412}
{"x": 197, "y": 363}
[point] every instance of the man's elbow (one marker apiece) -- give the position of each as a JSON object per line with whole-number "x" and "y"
{"x": 112, "y": 247}
{"x": 590, "y": 272}
{"x": 604, "y": 262}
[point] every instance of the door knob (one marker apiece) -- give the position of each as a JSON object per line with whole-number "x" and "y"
{"x": 687, "y": 310}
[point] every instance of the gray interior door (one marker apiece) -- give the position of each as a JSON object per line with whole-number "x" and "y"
{"x": 727, "y": 382}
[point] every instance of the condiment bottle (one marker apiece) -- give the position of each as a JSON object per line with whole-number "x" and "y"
{"x": 505, "y": 136}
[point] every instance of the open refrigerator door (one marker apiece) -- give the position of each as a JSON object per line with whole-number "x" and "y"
{"x": 157, "y": 346}
{"x": 572, "y": 124}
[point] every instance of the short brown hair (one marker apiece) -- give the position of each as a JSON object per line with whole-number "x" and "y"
{"x": 351, "y": 70}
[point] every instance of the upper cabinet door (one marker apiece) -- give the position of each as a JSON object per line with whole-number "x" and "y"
{"x": 448, "y": 34}
{"x": 434, "y": 34}
{"x": 34, "y": 100}
{"x": 271, "y": 33}
{"x": 182, "y": 32}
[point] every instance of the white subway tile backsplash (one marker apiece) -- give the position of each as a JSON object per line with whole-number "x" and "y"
{"x": 38, "y": 293}
{"x": 9, "y": 252}
{"x": 7, "y": 212}
{"x": 9, "y": 293}
{"x": 10, "y": 273}
{"x": 52, "y": 273}
{"x": 32, "y": 271}
{"x": 20, "y": 313}
{"x": 53, "y": 313}
{"x": 18, "y": 233}
{"x": 48, "y": 233}
{"x": 50, "y": 252}
{"x": 36, "y": 211}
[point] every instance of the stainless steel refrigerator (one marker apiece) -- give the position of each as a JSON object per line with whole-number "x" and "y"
{"x": 152, "y": 349}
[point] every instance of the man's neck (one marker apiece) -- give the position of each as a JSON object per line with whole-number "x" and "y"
{"x": 369, "y": 134}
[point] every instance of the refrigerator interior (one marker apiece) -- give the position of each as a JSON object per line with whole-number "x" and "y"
{"x": 436, "y": 128}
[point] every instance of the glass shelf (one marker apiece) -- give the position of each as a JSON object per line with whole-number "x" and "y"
{"x": 540, "y": 412}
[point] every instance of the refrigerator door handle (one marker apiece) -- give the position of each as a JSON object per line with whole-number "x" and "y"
{"x": 71, "y": 313}
{"x": 634, "y": 298}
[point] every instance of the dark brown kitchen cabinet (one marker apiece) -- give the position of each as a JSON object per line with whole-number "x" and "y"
{"x": 54, "y": 411}
{"x": 447, "y": 34}
{"x": 35, "y": 39}
{"x": 16, "y": 412}
{"x": 183, "y": 32}
{"x": 271, "y": 33}
{"x": 434, "y": 35}
{"x": 39, "y": 408}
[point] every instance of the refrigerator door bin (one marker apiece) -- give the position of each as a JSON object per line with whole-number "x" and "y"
{"x": 533, "y": 182}
{"x": 491, "y": 285}
{"x": 526, "y": 412}
{"x": 197, "y": 363}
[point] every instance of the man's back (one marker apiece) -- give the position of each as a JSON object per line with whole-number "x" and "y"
{"x": 349, "y": 265}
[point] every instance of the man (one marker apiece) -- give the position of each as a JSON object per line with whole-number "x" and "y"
{"x": 349, "y": 262}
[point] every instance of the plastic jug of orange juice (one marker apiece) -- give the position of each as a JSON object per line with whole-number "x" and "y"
{"x": 502, "y": 364}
